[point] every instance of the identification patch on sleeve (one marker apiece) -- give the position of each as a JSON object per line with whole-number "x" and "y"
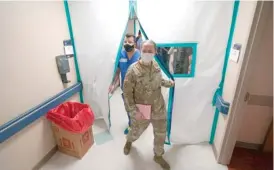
{"x": 123, "y": 60}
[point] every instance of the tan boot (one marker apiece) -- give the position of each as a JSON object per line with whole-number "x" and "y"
{"x": 127, "y": 148}
{"x": 162, "y": 162}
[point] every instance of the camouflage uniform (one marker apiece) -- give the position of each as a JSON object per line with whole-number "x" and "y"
{"x": 142, "y": 85}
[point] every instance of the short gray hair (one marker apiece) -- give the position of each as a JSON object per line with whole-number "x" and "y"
{"x": 149, "y": 42}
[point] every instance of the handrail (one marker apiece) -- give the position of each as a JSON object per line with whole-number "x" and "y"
{"x": 12, "y": 127}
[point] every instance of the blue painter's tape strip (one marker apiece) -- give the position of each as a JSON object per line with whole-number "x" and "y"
{"x": 134, "y": 22}
{"x": 194, "y": 60}
{"x": 177, "y": 44}
{"x": 78, "y": 75}
{"x": 169, "y": 114}
{"x": 219, "y": 91}
{"x": 142, "y": 30}
{"x": 12, "y": 127}
{"x": 117, "y": 62}
{"x": 167, "y": 73}
{"x": 222, "y": 106}
{"x": 229, "y": 43}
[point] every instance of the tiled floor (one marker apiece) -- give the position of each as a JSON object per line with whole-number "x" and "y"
{"x": 244, "y": 159}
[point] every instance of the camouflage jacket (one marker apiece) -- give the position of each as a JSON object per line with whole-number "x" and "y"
{"x": 142, "y": 85}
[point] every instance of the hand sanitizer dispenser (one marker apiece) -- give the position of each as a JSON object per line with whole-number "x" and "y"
{"x": 63, "y": 67}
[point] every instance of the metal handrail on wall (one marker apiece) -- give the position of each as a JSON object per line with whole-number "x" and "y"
{"x": 12, "y": 127}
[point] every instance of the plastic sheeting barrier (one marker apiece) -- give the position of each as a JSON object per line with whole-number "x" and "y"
{"x": 98, "y": 27}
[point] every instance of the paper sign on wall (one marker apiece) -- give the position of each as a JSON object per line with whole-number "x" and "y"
{"x": 235, "y": 52}
{"x": 68, "y": 48}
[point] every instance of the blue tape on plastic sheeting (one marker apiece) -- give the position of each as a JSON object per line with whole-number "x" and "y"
{"x": 169, "y": 112}
{"x": 134, "y": 27}
{"x": 219, "y": 90}
{"x": 167, "y": 73}
{"x": 14, "y": 126}
{"x": 221, "y": 105}
{"x": 77, "y": 70}
{"x": 117, "y": 62}
{"x": 142, "y": 31}
{"x": 131, "y": 5}
{"x": 177, "y": 44}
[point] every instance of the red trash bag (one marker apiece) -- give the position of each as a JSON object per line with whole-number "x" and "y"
{"x": 72, "y": 116}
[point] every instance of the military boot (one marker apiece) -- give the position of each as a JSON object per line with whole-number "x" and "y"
{"x": 162, "y": 162}
{"x": 127, "y": 148}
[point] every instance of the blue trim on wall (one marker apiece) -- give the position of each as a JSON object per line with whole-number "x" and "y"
{"x": 78, "y": 75}
{"x": 14, "y": 126}
{"x": 219, "y": 90}
{"x": 194, "y": 56}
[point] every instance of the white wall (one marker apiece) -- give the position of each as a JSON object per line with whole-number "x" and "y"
{"x": 257, "y": 116}
{"x": 32, "y": 34}
{"x": 241, "y": 34}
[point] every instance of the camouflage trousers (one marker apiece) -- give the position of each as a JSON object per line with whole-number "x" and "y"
{"x": 159, "y": 129}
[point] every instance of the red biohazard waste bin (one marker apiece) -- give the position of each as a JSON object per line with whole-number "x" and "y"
{"x": 72, "y": 128}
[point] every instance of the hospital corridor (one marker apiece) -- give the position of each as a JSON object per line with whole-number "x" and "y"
{"x": 136, "y": 85}
{"x": 111, "y": 150}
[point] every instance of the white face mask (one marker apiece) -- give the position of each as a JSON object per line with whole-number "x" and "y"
{"x": 147, "y": 57}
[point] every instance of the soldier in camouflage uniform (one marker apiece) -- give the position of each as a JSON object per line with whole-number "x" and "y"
{"x": 142, "y": 85}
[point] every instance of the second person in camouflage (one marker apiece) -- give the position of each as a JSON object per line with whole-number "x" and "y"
{"x": 142, "y": 85}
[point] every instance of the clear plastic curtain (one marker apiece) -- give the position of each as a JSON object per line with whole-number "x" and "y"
{"x": 208, "y": 25}
{"x": 98, "y": 28}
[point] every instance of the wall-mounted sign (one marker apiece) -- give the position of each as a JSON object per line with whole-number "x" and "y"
{"x": 68, "y": 48}
{"x": 235, "y": 52}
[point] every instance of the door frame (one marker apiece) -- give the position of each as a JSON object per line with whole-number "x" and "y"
{"x": 263, "y": 9}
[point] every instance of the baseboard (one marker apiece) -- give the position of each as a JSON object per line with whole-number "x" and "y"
{"x": 45, "y": 158}
{"x": 248, "y": 145}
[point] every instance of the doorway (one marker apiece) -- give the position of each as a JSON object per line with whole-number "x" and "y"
{"x": 250, "y": 123}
